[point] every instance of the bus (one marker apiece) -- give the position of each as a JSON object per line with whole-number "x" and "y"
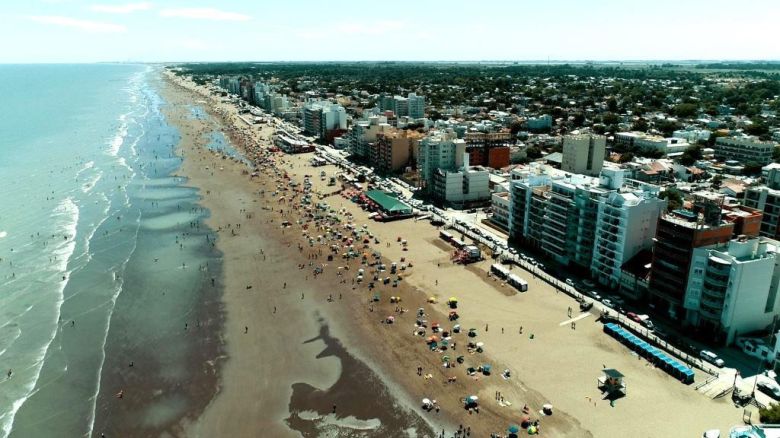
{"x": 499, "y": 271}
{"x": 517, "y": 282}
{"x": 446, "y": 236}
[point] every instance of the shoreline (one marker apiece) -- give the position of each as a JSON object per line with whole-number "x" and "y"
{"x": 577, "y": 355}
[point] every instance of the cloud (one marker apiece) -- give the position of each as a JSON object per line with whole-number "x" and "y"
{"x": 204, "y": 14}
{"x": 85, "y": 25}
{"x": 122, "y": 9}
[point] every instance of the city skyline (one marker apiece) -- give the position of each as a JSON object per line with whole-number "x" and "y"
{"x": 63, "y": 31}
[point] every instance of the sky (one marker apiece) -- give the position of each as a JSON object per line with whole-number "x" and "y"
{"x": 72, "y": 31}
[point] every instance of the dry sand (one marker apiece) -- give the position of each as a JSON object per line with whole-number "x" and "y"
{"x": 559, "y": 365}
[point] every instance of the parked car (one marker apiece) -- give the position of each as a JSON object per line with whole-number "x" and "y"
{"x": 607, "y": 302}
{"x": 712, "y": 358}
{"x": 570, "y": 282}
{"x": 633, "y": 316}
{"x": 588, "y": 283}
{"x": 595, "y": 295}
{"x": 769, "y": 388}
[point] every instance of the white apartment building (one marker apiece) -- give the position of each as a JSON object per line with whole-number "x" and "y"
{"x": 595, "y": 223}
{"x": 319, "y": 117}
{"x": 583, "y": 154}
{"x": 499, "y": 206}
{"x": 732, "y": 288}
{"x": 462, "y": 188}
{"x": 365, "y": 132}
{"x": 625, "y": 225}
{"x": 641, "y": 140}
{"x": 439, "y": 150}
{"x": 744, "y": 149}
{"x": 412, "y": 106}
{"x": 692, "y": 135}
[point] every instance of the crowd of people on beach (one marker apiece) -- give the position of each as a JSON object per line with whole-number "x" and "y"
{"x": 332, "y": 241}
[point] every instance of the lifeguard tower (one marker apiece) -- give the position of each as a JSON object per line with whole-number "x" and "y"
{"x": 611, "y": 384}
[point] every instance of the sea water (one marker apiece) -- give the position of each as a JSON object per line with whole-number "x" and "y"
{"x": 102, "y": 254}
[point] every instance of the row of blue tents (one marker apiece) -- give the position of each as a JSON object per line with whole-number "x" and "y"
{"x": 647, "y": 351}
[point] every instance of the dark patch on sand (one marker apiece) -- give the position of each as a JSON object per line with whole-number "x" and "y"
{"x": 364, "y": 406}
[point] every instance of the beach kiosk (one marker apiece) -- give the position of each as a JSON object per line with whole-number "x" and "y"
{"x": 611, "y": 384}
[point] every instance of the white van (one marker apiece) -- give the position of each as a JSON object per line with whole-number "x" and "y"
{"x": 712, "y": 358}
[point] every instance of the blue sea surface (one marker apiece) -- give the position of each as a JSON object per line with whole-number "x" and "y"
{"x": 103, "y": 258}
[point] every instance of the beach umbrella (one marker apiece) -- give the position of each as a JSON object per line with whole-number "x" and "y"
{"x": 426, "y": 402}
{"x": 445, "y": 358}
{"x": 433, "y": 339}
{"x": 513, "y": 429}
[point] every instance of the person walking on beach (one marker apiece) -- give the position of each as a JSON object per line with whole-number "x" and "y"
{"x": 10, "y": 373}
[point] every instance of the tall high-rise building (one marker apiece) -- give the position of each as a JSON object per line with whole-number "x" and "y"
{"x": 320, "y": 117}
{"x": 597, "y": 224}
{"x": 412, "y": 106}
{"x": 583, "y": 154}
{"x": 680, "y": 232}
{"x": 439, "y": 150}
{"x": 732, "y": 288}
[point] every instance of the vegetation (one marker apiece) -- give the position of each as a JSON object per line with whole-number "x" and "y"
{"x": 691, "y": 155}
{"x": 770, "y": 414}
{"x": 674, "y": 197}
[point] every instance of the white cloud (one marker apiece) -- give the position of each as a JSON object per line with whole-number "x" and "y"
{"x": 204, "y": 14}
{"x": 85, "y": 25}
{"x": 122, "y": 9}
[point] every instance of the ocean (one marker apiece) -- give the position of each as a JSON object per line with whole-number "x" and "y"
{"x": 109, "y": 282}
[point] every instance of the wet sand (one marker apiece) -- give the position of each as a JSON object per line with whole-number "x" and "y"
{"x": 267, "y": 370}
{"x": 269, "y": 330}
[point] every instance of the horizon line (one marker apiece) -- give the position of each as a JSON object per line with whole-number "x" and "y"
{"x": 432, "y": 61}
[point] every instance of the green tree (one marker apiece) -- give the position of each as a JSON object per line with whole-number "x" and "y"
{"x": 533, "y": 152}
{"x": 685, "y": 110}
{"x": 640, "y": 125}
{"x": 752, "y": 168}
{"x": 691, "y": 154}
{"x": 770, "y": 414}
{"x": 674, "y": 197}
{"x": 626, "y": 157}
{"x": 610, "y": 118}
{"x": 716, "y": 181}
{"x": 612, "y": 105}
{"x": 757, "y": 129}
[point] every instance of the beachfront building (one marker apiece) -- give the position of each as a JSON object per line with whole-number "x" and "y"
{"x": 626, "y": 225}
{"x": 744, "y": 149}
{"x": 363, "y": 134}
{"x": 231, "y": 84}
{"x": 321, "y": 117}
{"x": 680, "y": 232}
{"x": 499, "y": 207}
{"x": 440, "y": 150}
{"x": 583, "y": 154}
{"x": 594, "y": 223}
{"x": 465, "y": 187}
{"x": 392, "y": 150}
{"x": 732, "y": 287}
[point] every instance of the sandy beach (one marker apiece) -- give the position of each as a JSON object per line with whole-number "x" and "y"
{"x": 312, "y": 355}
